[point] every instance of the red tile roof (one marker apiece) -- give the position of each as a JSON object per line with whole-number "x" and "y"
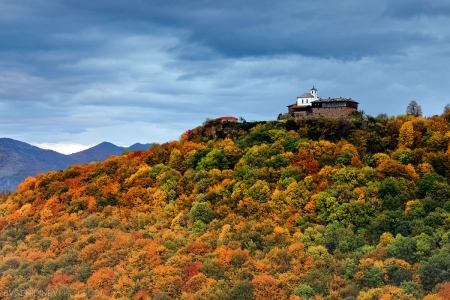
{"x": 228, "y": 118}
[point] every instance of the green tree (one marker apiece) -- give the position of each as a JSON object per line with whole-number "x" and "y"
{"x": 304, "y": 291}
{"x": 398, "y": 275}
{"x": 201, "y": 212}
{"x": 297, "y": 195}
{"x": 435, "y": 271}
{"x": 388, "y": 187}
{"x": 197, "y": 157}
{"x": 157, "y": 169}
{"x": 215, "y": 159}
{"x": 412, "y": 288}
{"x": 373, "y": 277}
{"x": 403, "y": 247}
{"x": 427, "y": 182}
{"x": 260, "y": 191}
{"x": 349, "y": 268}
{"x": 242, "y": 291}
{"x": 392, "y": 203}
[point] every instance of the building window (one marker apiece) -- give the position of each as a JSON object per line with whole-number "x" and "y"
{"x": 333, "y": 104}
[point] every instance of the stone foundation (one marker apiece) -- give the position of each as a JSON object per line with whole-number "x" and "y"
{"x": 332, "y": 112}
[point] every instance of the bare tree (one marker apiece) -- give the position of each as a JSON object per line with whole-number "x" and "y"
{"x": 382, "y": 116}
{"x": 414, "y": 109}
{"x": 446, "y": 108}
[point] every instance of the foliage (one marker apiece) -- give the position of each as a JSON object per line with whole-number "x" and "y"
{"x": 307, "y": 209}
{"x": 201, "y": 212}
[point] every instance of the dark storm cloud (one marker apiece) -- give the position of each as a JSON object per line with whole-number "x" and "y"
{"x": 332, "y": 29}
{"x": 73, "y": 70}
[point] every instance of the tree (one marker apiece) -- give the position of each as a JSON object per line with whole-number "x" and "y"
{"x": 101, "y": 278}
{"x": 403, "y": 248}
{"x": 215, "y": 159}
{"x": 446, "y": 108}
{"x": 242, "y": 291}
{"x": 406, "y": 135}
{"x": 260, "y": 191}
{"x": 414, "y": 109}
{"x": 176, "y": 160}
{"x": 397, "y": 275}
{"x": 435, "y": 271}
{"x": 444, "y": 291}
{"x": 304, "y": 291}
{"x": 427, "y": 182}
{"x": 373, "y": 277}
{"x": 201, "y": 212}
{"x": 267, "y": 287}
{"x": 412, "y": 288}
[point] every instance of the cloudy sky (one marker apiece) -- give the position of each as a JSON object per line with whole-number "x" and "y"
{"x": 74, "y": 73}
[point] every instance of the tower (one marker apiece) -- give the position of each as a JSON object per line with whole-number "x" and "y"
{"x": 314, "y": 93}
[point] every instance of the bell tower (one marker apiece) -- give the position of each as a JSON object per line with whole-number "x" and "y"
{"x": 314, "y": 93}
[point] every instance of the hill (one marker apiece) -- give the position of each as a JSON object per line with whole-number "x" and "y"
{"x": 104, "y": 150}
{"x": 19, "y": 160}
{"x": 138, "y": 146}
{"x": 316, "y": 209}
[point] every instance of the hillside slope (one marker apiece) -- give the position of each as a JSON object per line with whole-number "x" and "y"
{"x": 318, "y": 209}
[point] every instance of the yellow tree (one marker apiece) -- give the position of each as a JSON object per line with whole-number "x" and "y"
{"x": 176, "y": 160}
{"x": 406, "y": 135}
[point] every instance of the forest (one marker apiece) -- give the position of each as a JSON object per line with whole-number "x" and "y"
{"x": 331, "y": 209}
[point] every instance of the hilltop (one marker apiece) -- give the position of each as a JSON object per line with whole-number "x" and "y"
{"x": 315, "y": 209}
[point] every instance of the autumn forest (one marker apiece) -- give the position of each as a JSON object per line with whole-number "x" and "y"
{"x": 333, "y": 209}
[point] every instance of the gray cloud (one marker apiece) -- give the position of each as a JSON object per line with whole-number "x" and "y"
{"x": 88, "y": 71}
{"x": 406, "y": 9}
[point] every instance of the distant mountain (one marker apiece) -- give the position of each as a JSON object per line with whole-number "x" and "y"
{"x": 139, "y": 146}
{"x": 104, "y": 150}
{"x": 97, "y": 153}
{"x": 18, "y": 160}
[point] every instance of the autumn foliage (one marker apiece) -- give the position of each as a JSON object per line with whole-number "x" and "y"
{"x": 317, "y": 209}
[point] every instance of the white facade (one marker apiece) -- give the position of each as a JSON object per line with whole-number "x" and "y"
{"x": 307, "y": 98}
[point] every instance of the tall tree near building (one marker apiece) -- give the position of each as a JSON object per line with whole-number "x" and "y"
{"x": 414, "y": 109}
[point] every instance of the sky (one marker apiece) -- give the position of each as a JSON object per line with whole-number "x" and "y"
{"x": 75, "y": 73}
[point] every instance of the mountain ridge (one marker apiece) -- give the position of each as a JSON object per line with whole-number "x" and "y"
{"x": 19, "y": 160}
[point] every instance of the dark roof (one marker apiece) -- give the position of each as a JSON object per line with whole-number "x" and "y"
{"x": 313, "y": 89}
{"x": 340, "y": 99}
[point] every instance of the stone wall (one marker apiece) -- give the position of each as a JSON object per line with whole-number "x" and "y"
{"x": 332, "y": 112}
{"x": 327, "y": 112}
